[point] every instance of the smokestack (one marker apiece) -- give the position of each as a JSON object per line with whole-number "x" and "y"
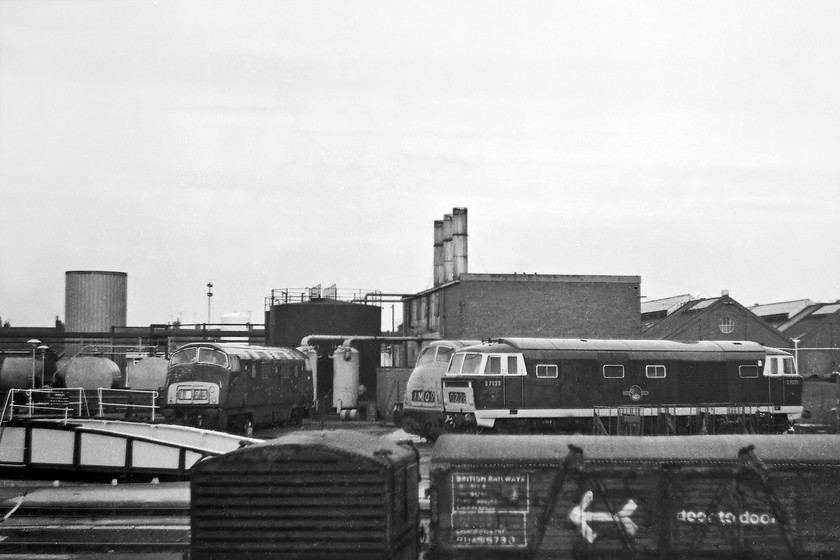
{"x": 447, "y": 248}
{"x": 438, "y": 259}
{"x": 459, "y": 242}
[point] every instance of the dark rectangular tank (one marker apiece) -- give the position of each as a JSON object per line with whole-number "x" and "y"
{"x": 327, "y": 495}
{"x": 598, "y": 497}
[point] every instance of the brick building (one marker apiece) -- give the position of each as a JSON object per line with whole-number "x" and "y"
{"x": 526, "y": 305}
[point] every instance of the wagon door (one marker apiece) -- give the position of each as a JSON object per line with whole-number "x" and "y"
{"x": 514, "y": 374}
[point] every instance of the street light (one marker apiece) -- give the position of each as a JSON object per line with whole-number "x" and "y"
{"x": 34, "y": 342}
{"x": 43, "y": 348}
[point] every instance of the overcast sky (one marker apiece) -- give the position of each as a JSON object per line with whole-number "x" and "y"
{"x": 281, "y": 144}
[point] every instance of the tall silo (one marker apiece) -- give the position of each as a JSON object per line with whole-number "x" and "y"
{"x": 94, "y": 301}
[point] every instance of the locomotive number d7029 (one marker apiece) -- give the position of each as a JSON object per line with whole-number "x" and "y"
{"x": 423, "y": 396}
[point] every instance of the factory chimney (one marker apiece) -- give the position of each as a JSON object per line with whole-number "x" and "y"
{"x": 459, "y": 242}
{"x": 447, "y": 248}
{"x": 438, "y": 260}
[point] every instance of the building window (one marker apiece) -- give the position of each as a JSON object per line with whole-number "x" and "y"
{"x": 547, "y": 371}
{"x": 727, "y": 324}
{"x": 613, "y": 371}
{"x": 655, "y": 372}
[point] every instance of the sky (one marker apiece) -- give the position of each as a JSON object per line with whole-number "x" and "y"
{"x": 283, "y": 144}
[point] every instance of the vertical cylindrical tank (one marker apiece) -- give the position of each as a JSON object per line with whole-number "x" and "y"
{"x": 438, "y": 253}
{"x": 447, "y": 249}
{"x": 95, "y": 300}
{"x": 345, "y": 378}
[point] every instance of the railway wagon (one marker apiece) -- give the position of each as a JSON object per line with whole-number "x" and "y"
{"x": 331, "y": 495}
{"x": 582, "y": 385}
{"x": 235, "y": 387}
{"x": 421, "y": 410}
{"x": 624, "y": 497}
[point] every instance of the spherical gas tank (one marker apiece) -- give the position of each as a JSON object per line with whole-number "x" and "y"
{"x": 345, "y": 378}
{"x": 87, "y": 372}
{"x": 147, "y": 374}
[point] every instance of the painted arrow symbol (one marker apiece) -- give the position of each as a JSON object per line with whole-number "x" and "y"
{"x": 582, "y": 518}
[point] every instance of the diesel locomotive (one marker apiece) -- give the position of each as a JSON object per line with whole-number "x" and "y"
{"x": 421, "y": 410}
{"x": 524, "y": 385}
{"x": 232, "y": 387}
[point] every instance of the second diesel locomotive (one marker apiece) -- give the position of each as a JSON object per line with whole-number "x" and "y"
{"x": 233, "y": 387}
{"x": 421, "y": 410}
{"x": 573, "y": 385}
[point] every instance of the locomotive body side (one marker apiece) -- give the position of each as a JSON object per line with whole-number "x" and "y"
{"x": 566, "y": 385}
{"x": 421, "y": 410}
{"x": 229, "y": 387}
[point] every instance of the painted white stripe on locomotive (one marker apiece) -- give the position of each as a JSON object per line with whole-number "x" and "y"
{"x": 487, "y": 418}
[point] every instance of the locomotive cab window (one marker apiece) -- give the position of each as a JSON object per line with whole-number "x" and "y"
{"x": 513, "y": 366}
{"x": 465, "y": 363}
{"x": 613, "y": 371}
{"x": 212, "y": 356}
{"x": 655, "y": 372}
{"x": 185, "y": 356}
{"x": 748, "y": 372}
{"x": 546, "y": 371}
{"x": 443, "y": 354}
{"x": 493, "y": 366}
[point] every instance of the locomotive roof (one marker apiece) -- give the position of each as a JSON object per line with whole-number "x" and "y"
{"x": 250, "y": 352}
{"x": 486, "y": 449}
{"x": 615, "y": 345}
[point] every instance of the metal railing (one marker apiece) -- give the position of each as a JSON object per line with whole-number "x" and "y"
{"x": 127, "y": 399}
{"x": 40, "y": 403}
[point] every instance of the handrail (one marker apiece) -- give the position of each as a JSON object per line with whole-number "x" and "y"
{"x": 153, "y": 395}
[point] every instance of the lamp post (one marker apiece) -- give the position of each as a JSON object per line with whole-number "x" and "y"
{"x": 209, "y": 295}
{"x": 43, "y": 348}
{"x": 34, "y": 342}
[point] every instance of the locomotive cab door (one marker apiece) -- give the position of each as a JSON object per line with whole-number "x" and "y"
{"x": 514, "y": 373}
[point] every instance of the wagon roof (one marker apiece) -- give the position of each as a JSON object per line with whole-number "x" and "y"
{"x": 354, "y": 445}
{"x": 487, "y": 449}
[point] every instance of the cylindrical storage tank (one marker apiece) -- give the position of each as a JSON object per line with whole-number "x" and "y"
{"x": 345, "y": 378}
{"x": 147, "y": 374}
{"x": 338, "y": 494}
{"x": 87, "y": 372}
{"x": 16, "y": 372}
{"x": 95, "y": 300}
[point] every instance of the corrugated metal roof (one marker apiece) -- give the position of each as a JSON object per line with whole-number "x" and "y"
{"x": 668, "y": 304}
{"x": 788, "y": 308}
{"x": 827, "y": 309}
{"x": 703, "y": 304}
